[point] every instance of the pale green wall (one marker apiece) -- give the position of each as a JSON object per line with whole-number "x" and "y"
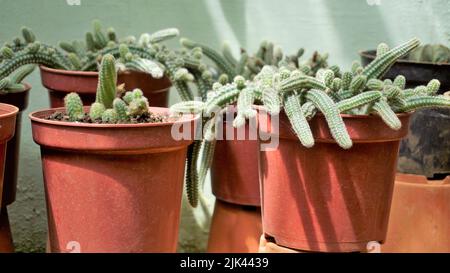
{"x": 340, "y": 27}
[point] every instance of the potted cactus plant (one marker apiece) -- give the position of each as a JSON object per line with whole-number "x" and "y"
{"x": 236, "y": 186}
{"x": 424, "y": 161}
{"x": 143, "y": 62}
{"x": 14, "y": 92}
{"x": 105, "y": 170}
{"x": 312, "y": 199}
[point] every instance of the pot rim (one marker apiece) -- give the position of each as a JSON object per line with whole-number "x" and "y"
{"x": 89, "y": 73}
{"x": 417, "y": 180}
{"x": 27, "y": 88}
{"x": 11, "y": 110}
{"x": 34, "y": 116}
{"x": 69, "y": 72}
{"x": 367, "y": 54}
{"x": 347, "y": 116}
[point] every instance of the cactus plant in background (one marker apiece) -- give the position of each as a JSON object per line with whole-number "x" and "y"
{"x": 436, "y": 53}
{"x": 216, "y": 97}
{"x": 146, "y": 54}
{"x": 357, "y": 92}
{"x": 109, "y": 106}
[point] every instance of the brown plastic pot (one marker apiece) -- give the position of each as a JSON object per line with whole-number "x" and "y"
{"x": 266, "y": 246}
{"x": 112, "y": 188}
{"x": 8, "y": 115}
{"x": 6, "y": 242}
{"x": 20, "y": 100}
{"x": 420, "y": 216}
{"x": 234, "y": 228}
{"x": 234, "y": 172}
{"x": 325, "y": 198}
{"x": 61, "y": 82}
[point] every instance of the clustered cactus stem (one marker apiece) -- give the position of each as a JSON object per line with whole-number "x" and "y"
{"x": 147, "y": 54}
{"x": 109, "y": 106}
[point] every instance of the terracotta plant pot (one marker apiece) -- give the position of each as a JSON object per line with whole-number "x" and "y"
{"x": 234, "y": 172}
{"x": 325, "y": 198}
{"x": 20, "y": 100}
{"x": 235, "y": 228}
{"x": 266, "y": 246}
{"x": 420, "y": 216}
{"x": 61, "y": 82}
{"x": 235, "y": 183}
{"x": 112, "y": 188}
{"x": 426, "y": 150}
{"x": 6, "y": 242}
{"x": 8, "y": 115}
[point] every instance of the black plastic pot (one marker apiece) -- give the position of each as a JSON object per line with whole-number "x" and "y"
{"x": 426, "y": 150}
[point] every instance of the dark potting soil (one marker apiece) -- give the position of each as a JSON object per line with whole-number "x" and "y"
{"x": 147, "y": 118}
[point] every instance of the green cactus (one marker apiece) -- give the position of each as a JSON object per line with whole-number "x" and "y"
{"x": 121, "y": 108}
{"x": 106, "y": 89}
{"x": 189, "y": 107}
{"x": 138, "y": 107}
{"x": 430, "y": 53}
{"x": 221, "y": 62}
{"x": 381, "y": 64}
{"x": 96, "y": 111}
{"x": 299, "y": 82}
{"x": 365, "y": 98}
{"x": 420, "y": 102}
{"x": 163, "y": 35}
{"x": 110, "y": 116}
{"x": 389, "y": 117}
{"x": 74, "y": 106}
{"x": 299, "y": 124}
{"x": 331, "y": 112}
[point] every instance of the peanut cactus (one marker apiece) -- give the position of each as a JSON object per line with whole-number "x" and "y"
{"x": 147, "y": 54}
{"x": 109, "y": 107}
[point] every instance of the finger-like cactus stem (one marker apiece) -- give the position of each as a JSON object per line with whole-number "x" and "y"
{"x": 381, "y": 64}
{"x": 163, "y": 35}
{"x": 293, "y": 110}
{"x": 389, "y": 117}
{"x": 220, "y": 61}
{"x": 415, "y": 103}
{"x": 433, "y": 87}
{"x": 365, "y": 98}
{"x": 138, "y": 106}
{"x": 28, "y": 35}
{"x": 300, "y": 82}
{"x": 189, "y": 107}
{"x": 400, "y": 81}
{"x": 107, "y": 83}
{"x": 74, "y": 106}
{"x": 192, "y": 179}
{"x": 335, "y": 122}
{"x": 110, "y": 116}
{"x": 96, "y": 111}
{"x": 121, "y": 109}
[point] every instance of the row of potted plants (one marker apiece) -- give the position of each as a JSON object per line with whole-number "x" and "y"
{"x": 113, "y": 160}
{"x": 348, "y": 204}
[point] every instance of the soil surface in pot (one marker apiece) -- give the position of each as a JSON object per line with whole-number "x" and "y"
{"x": 147, "y": 118}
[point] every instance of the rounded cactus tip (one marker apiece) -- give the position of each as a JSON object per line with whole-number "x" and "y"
{"x": 137, "y": 93}
{"x": 110, "y": 116}
{"x": 186, "y": 42}
{"x": 96, "y": 111}
{"x": 239, "y": 81}
{"x": 108, "y": 58}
